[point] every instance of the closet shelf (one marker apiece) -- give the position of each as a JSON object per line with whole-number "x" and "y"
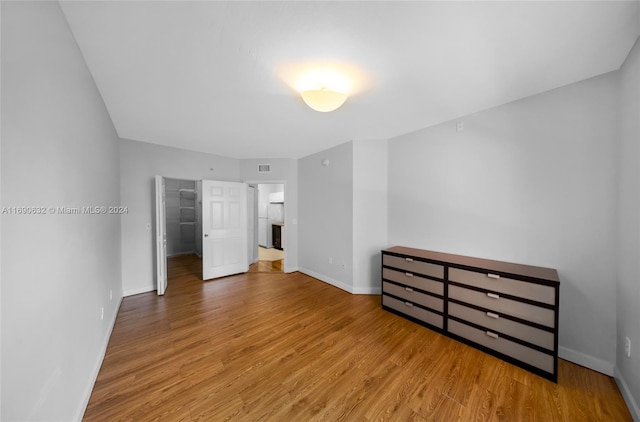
{"x": 188, "y": 194}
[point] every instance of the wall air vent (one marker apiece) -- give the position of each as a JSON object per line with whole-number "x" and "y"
{"x": 264, "y": 168}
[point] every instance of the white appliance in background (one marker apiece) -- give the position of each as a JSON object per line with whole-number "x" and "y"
{"x": 270, "y": 211}
{"x": 276, "y": 197}
{"x": 274, "y": 215}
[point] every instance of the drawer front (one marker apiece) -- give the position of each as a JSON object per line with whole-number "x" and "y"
{"x": 502, "y": 305}
{"x": 494, "y": 322}
{"x": 409, "y": 279}
{"x": 412, "y": 296}
{"x": 522, "y": 353}
{"x": 418, "y": 267}
{"x": 488, "y": 281}
{"x": 417, "y": 313}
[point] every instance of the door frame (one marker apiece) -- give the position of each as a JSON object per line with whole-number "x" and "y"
{"x": 161, "y": 235}
{"x": 252, "y": 214}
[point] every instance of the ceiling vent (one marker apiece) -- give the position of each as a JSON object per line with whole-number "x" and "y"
{"x": 264, "y": 168}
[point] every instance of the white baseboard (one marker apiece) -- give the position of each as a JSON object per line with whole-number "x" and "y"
{"x": 96, "y": 368}
{"x": 366, "y": 290}
{"x": 328, "y": 280}
{"x": 585, "y": 360}
{"x": 291, "y": 270}
{"x": 626, "y": 394}
{"x": 137, "y": 291}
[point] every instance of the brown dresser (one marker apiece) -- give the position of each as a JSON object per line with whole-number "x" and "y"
{"x": 505, "y": 309}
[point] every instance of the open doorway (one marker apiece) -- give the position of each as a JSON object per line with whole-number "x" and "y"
{"x": 270, "y": 228}
{"x": 190, "y": 244}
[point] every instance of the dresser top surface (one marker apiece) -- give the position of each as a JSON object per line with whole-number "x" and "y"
{"x": 498, "y": 266}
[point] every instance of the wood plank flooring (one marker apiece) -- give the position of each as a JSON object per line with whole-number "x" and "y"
{"x": 267, "y": 266}
{"x": 287, "y": 347}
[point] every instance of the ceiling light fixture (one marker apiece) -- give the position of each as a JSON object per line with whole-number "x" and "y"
{"x": 325, "y": 86}
{"x": 323, "y": 99}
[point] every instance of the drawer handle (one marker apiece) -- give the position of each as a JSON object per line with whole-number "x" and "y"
{"x": 496, "y": 276}
{"x": 493, "y": 296}
{"x": 409, "y": 304}
{"x": 408, "y": 274}
{"x": 492, "y": 315}
{"x": 409, "y": 289}
{"x": 492, "y": 335}
{"x": 409, "y": 259}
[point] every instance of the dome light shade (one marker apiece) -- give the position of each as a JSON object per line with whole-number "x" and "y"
{"x": 323, "y": 99}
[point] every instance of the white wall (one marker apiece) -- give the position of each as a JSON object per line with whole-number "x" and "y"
{"x": 59, "y": 149}
{"x": 283, "y": 170}
{"x": 628, "y": 250}
{"x": 370, "y": 177}
{"x": 343, "y": 215}
{"x": 139, "y": 163}
{"x": 533, "y": 182}
{"x": 326, "y": 216}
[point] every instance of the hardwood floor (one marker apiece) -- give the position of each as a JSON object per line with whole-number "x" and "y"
{"x": 267, "y": 263}
{"x": 267, "y": 266}
{"x": 287, "y": 347}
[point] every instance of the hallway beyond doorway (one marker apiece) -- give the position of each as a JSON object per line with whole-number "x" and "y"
{"x": 270, "y": 254}
{"x": 270, "y": 260}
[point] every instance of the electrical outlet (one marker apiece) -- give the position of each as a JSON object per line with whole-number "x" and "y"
{"x": 102, "y": 313}
{"x": 110, "y": 295}
{"x": 627, "y": 346}
{"x": 330, "y": 260}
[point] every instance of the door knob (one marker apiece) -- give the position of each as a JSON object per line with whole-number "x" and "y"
{"x": 206, "y": 235}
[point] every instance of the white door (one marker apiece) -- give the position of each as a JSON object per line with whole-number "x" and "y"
{"x": 161, "y": 237}
{"x": 224, "y": 229}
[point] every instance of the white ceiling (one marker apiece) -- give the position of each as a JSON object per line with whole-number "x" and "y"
{"x": 217, "y": 76}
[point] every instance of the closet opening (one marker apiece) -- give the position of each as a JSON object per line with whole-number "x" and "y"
{"x": 183, "y": 211}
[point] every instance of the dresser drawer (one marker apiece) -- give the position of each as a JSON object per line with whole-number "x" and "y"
{"x": 413, "y": 311}
{"x": 503, "y": 305}
{"x": 495, "y": 283}
{"x": 517, "y": 351}
{"x": 412, "y": 266}
{"x": 411, "y": 295}
{"x": 493, "y": 321}
{"x": 409, "y": 279}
